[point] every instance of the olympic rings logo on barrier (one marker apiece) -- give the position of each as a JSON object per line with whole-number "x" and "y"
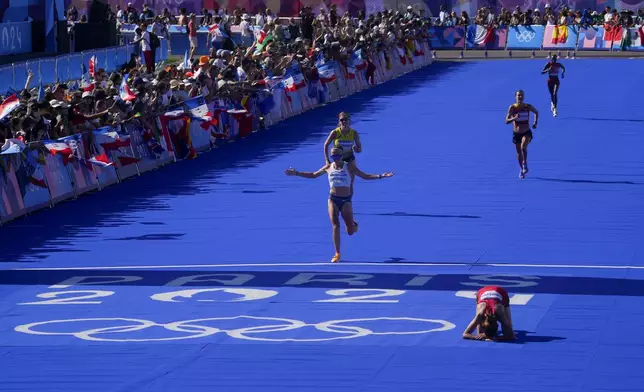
{"x": 525, "y": 36}
{"x": 194, "y": 329}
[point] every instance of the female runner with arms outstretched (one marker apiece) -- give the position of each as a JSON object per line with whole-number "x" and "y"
{"x": 340, "y": 180}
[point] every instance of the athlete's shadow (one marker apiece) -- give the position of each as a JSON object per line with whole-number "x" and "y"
{"x": 523, "y": 337}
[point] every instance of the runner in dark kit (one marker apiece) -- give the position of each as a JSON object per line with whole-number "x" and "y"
{"x": 552, "y": 69}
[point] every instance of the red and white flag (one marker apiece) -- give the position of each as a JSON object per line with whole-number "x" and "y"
{"x": 9, "y": 105}
{"x": 92, "y": 65}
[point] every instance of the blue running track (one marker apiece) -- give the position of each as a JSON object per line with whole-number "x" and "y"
{"x": 214, "y": 274}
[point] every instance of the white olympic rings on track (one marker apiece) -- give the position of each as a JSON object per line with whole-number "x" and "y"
{"x": 195, "y": 330}
{"x": 525, "y": 36}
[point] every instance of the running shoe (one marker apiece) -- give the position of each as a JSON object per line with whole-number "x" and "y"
{"x": 554, "y": 112}
{"x": 522, "y": 174}
{"x": 336, "y": 258}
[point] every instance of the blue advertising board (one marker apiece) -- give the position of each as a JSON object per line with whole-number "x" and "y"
{"x": 15, "y": 38}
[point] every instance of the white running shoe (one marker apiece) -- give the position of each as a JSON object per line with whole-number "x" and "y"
{"x": 554, "y": 112}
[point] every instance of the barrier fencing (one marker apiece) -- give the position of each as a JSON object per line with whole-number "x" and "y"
{"x": 471, "y": 37}
{"x": 68, "y": 67}
{"x": 43, "y": 174}
{"x": 538, "y": 37}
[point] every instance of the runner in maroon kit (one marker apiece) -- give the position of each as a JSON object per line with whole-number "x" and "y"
{"x": 552, "y": 69}
{"x": 492, "y": 307}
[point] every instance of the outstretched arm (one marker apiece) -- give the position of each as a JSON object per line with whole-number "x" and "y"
{"x": 292, "y": 172}
{"x": 354, "y": 170}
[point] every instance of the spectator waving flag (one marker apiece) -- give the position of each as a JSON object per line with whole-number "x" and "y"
{"x": 327, "y": 73}
{"x": 92, "y": 66}
{"x": 216, "y": 31}
{"x": 294, "y": 79}
{"x": 12, "y": 146}
{"x": 124, "y": 90}
{"x": 358, "y": 61}
{"x": 9, "y": 105}
{"x": 559, "y": 34}
{"x": 199, "y": 111}
{"x": 86, "y": 83}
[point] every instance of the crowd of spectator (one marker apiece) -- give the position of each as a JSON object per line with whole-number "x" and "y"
{"x": 234, "y": 70}
{"x": 230, "y": 71}
{"x": 485, "y": 16}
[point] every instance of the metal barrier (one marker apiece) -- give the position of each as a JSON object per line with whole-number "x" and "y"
{"x": 68, "y": 67}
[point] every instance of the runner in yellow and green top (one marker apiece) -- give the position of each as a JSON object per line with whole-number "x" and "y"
{"x": 347, "y": 139}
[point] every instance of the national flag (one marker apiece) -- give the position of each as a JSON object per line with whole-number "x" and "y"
{"x": 612, "y": 33}
{"x": 92, "y": 66}
{"x": 176, "y": 124}
{"x": 186, "y": 61}
{"x": 154, "y": 147}
{"x": 358, "y": 61}
{"x": 216, "y": 31}
{"x": 263, "y": 42}
{"x": 100, "y": 160}
{"x": 559, "y": 34}
{"x": 327, "y": 73}
{"x": 60, "y": 148}
{"x": 34, "y": 169}
{"x": 491, "y": 35}
{"x": 295, "y": 79}
{"x": 41, "y": 93}
{"x": 243, "y": 122}
{"x": 483, "y": 36}
{"x": 401, "y": 54}
{"x": 9, "y": 105}
{"x": 124, "y": 90}
{"x": 86, "y": 83}
{"x": 12, "y": 146}
{"x": 351, "y": 71}
{"x": 112, "y": 141}
{"x": 198, "y": 110}
{"x": 320, "y": 59}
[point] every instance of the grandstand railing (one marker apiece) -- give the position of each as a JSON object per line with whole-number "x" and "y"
{"x": 68, "y": 67}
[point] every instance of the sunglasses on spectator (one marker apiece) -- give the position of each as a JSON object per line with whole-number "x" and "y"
{"x": 344, "y": 120}
{"x": 336, "y": 156}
